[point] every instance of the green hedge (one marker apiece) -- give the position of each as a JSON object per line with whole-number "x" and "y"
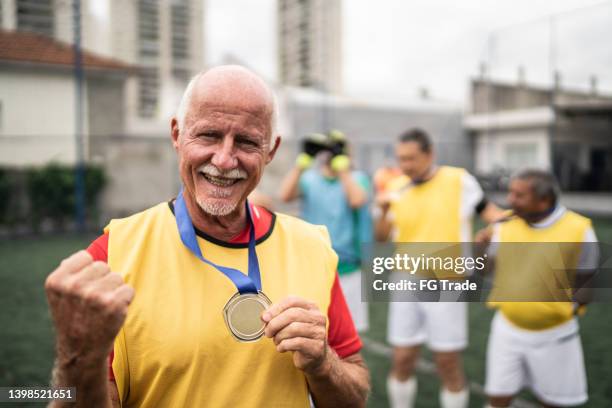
{"x": 36, "y": 194}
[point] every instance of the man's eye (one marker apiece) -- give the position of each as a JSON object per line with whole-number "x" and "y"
{"x": 247, "y": 142}
{"x": 209, "y": 135}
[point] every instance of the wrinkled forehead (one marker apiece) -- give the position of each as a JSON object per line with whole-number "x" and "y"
{"x": 232, "y": 93}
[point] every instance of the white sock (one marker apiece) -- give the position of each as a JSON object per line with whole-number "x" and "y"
{"x": 401, "y": 394}
{"x": 449, "y": 399}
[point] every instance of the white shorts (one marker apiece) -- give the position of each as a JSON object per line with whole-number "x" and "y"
{"x": 351, "y": 286}
{"x": 441, "y": 325}
{"x": 549, "y": 362}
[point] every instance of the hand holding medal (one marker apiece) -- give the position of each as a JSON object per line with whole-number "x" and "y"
{"x": 297, "y": 325}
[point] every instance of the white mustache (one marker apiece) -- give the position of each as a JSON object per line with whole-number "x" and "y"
{"x": 211, "y": 170}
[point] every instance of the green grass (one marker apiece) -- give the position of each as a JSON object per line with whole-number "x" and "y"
{"x": 26, "y": 336}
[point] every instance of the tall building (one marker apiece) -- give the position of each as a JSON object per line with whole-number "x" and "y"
{"x": 310, "y": 44}
{"x": 163, "y": 38}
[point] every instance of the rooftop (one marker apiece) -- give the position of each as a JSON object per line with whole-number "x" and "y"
{"x": 24, "y": 47}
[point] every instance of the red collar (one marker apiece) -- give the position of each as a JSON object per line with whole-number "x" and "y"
{"x": 262, "y": 220}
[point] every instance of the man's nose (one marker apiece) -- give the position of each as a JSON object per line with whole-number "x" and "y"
{"x": 224, "y": 158}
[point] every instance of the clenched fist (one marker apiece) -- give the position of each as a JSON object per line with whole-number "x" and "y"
{"x": 88, "y": 305}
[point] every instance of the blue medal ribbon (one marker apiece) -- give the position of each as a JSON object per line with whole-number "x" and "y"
{"x": 250, "y": 283}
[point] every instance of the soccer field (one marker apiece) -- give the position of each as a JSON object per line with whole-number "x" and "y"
{"x": 26, "y": 337}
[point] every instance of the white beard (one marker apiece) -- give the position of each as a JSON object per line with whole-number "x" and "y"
{"x": 218, "y": 205}
{"x": 217, "y": 208}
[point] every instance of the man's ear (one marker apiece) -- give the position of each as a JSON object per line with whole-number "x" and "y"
{"x": 431, "y": 158}
{"x": 174, "y": 131}
{"x": 272, "y": 152}
{"x": 544, "y": 204}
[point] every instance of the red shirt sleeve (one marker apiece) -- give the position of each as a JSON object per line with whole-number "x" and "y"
{"x": 342, "y": 336}
{"x": 111, "y": 375}
{"x": 98, "y": 249}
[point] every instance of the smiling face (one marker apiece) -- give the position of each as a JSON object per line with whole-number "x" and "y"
{"x": 225, "y": 141}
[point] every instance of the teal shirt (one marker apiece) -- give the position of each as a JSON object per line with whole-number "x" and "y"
{"x": 324, "y": 202}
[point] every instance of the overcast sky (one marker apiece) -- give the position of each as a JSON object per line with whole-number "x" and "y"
{"x": 391, "y": 48}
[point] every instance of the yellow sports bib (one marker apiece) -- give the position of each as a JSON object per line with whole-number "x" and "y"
{"x": 538, "y": 272}
{"x": 429, "y": 212}
{"x": 174, "y": 349}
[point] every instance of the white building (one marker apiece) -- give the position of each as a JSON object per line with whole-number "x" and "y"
{"x": 309, "y": 44}
{"x": 37, "y": 99}
{"x": 566, "y": 131}
{"x": 164, "y": 38}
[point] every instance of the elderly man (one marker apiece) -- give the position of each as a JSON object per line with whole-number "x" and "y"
{"x": 543, "y": 254}
{"x": 428, "y": 203}
{"x": 167, "y": 295}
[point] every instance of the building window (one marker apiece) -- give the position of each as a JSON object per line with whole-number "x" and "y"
{"x": 148, "y": 40}
{"x": 519, "y": 155}
{"x": 148, "y": 28}
{"x": 35, "y": 16}
{"x": 180, "y": 31}
{"x": 148, "y": 91}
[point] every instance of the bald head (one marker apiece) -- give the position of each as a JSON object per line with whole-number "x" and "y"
{"x": 228, "y": 85}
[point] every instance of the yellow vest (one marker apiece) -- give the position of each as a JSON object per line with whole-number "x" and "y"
{"x": 429, "y": 212}
{"x": 539, "y": 271}
{"x": 174, "y": 349}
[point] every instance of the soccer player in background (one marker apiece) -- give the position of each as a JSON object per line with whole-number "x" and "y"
{"x": 334, "y": 195}
{"x": 429, "y": 203}
{"x": 535, "y": 341}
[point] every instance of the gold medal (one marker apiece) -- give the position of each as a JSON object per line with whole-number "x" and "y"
{"x": 242, "y": 315}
